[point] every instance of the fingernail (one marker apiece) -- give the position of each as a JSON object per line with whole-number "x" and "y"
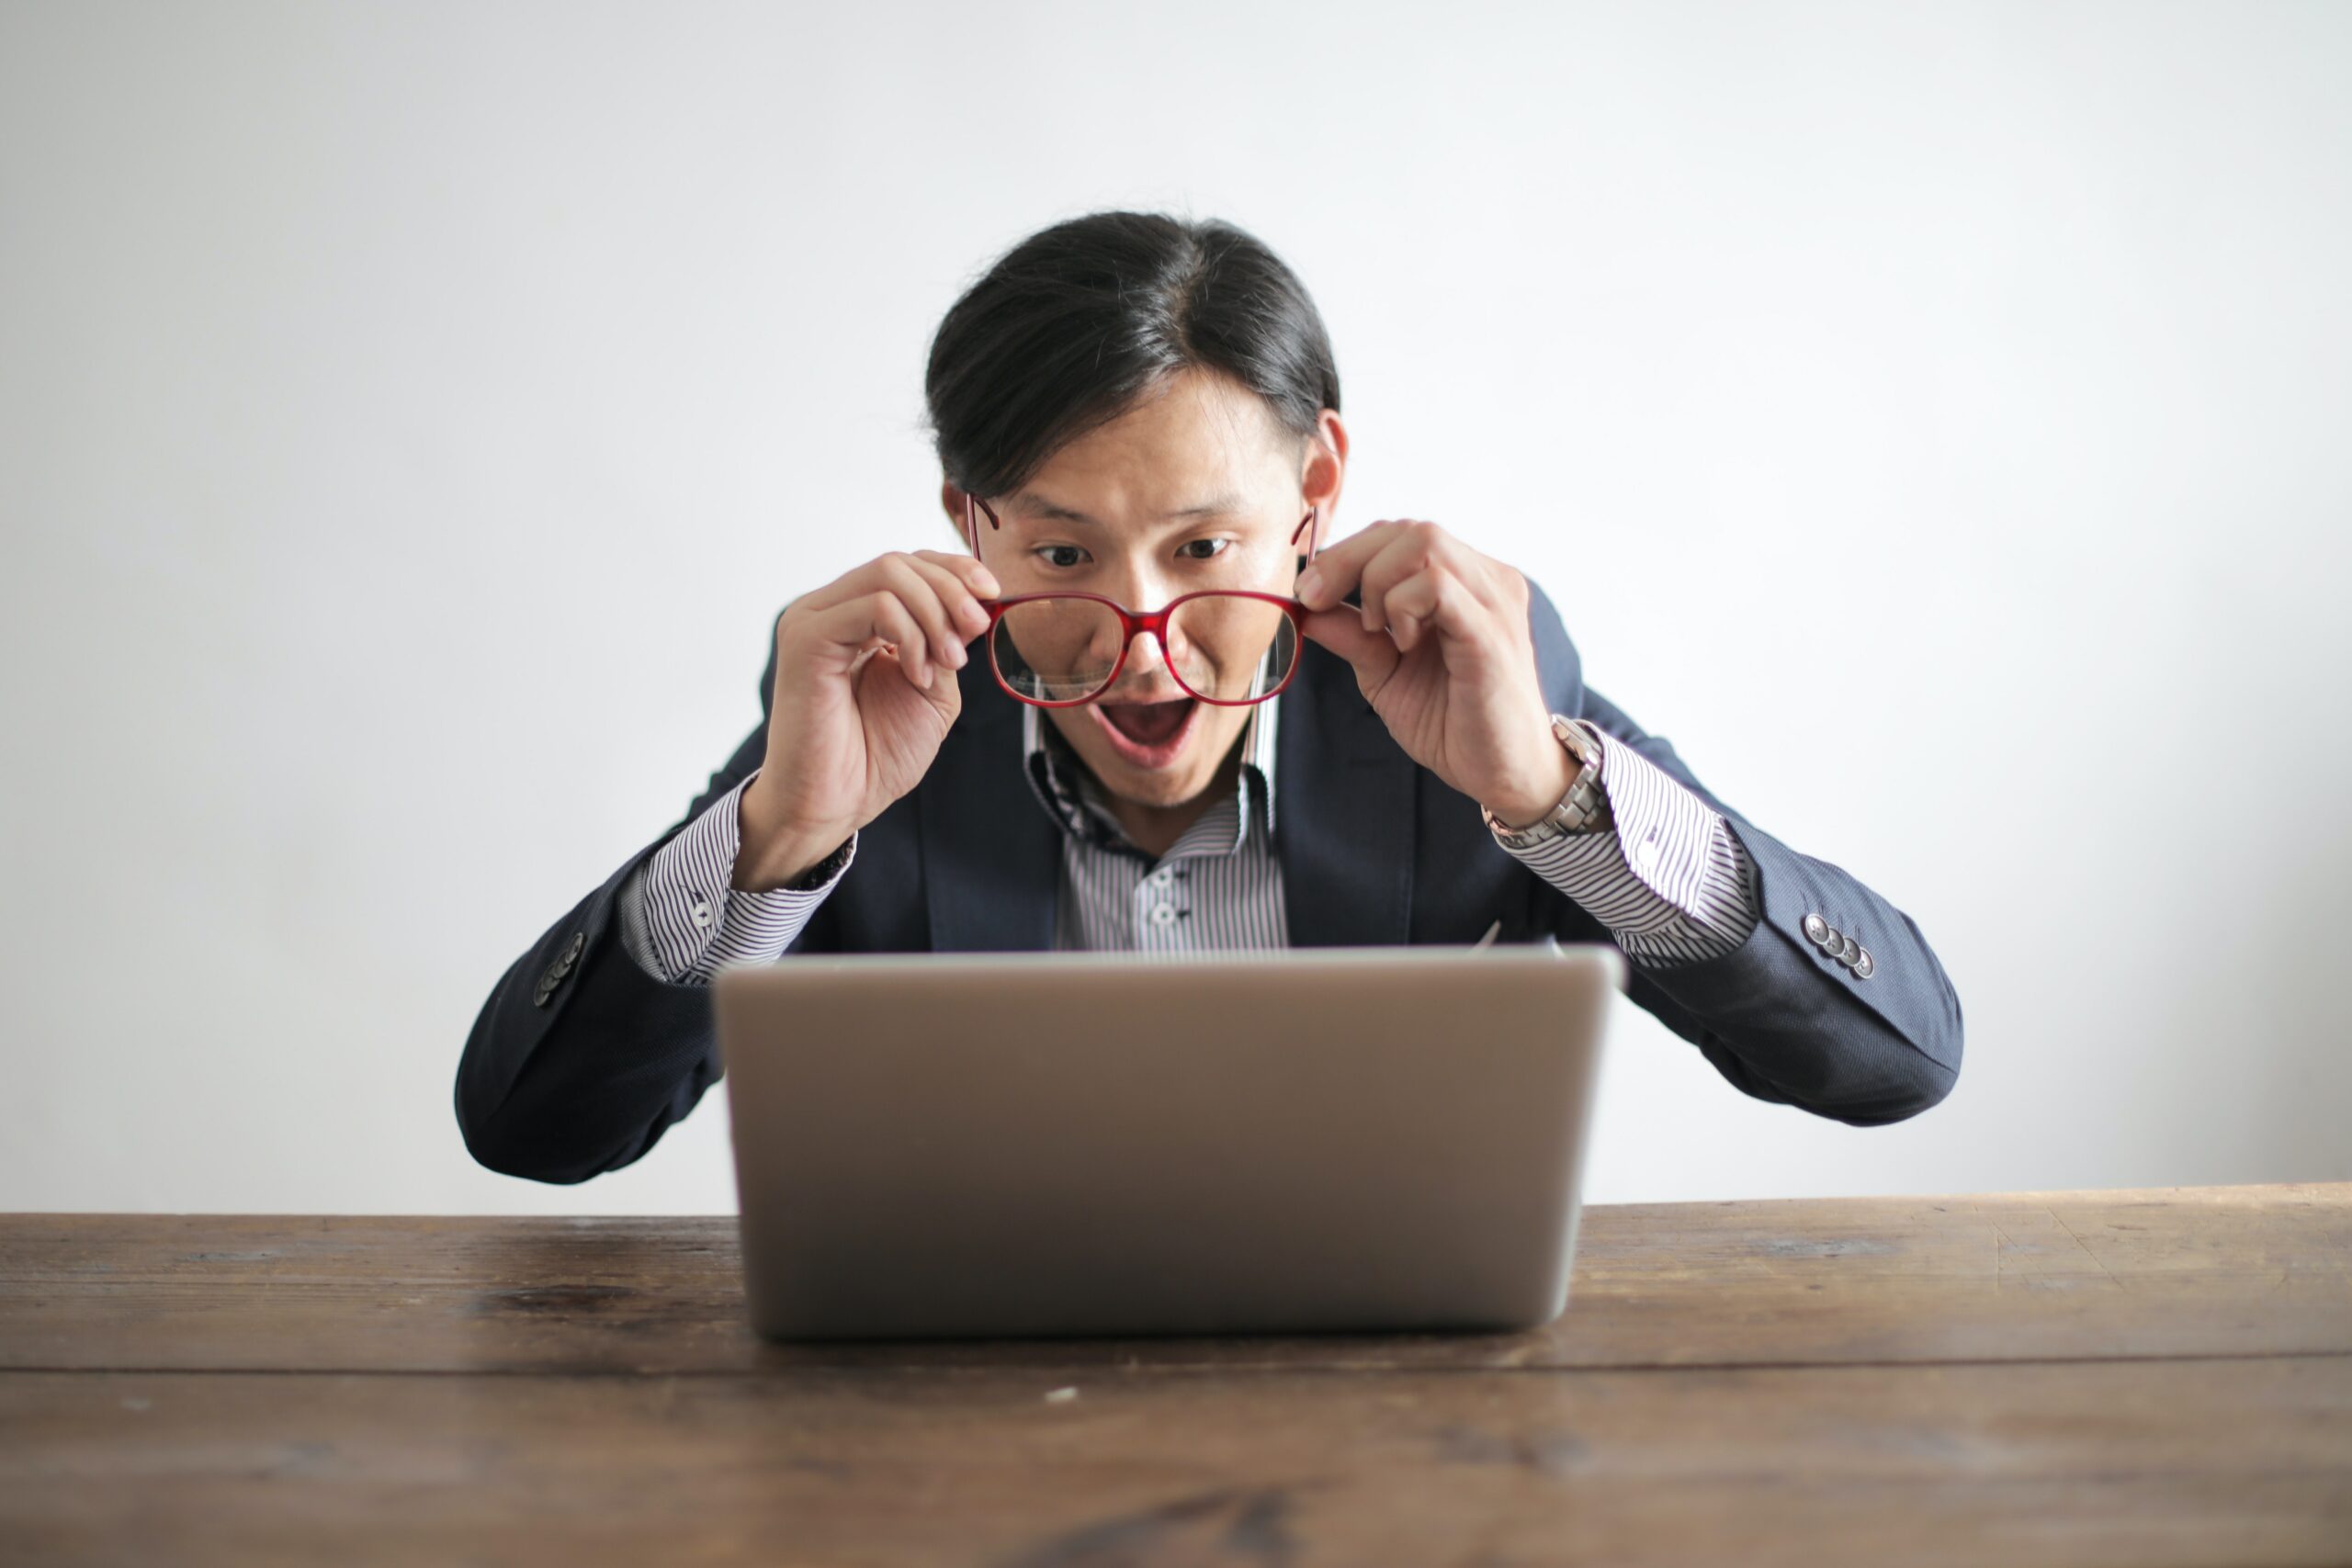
{"x": 985, "y": 581}
{"x": 1310, "y": 584}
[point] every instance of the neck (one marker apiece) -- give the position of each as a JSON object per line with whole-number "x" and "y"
{"x": 1155, "y": 828}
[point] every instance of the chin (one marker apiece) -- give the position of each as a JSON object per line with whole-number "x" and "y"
{"x": 1170, "y": 785}
{"x": 1157, "y": 786}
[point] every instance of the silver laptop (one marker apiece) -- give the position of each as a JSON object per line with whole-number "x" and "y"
{"x": 1022, "y": 1144}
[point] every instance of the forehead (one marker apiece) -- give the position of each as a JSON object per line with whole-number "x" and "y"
{"x": 1198, "y": 445}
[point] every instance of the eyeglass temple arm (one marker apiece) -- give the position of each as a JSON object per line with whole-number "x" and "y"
{"x": 972, "y": 524}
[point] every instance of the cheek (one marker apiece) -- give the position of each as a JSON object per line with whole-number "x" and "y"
{"x": 1223, "y": 726}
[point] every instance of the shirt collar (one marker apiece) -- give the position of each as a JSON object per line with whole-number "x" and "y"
{"x": 1072, "y": 797}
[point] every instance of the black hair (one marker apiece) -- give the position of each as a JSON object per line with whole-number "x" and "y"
{"x": 1070, "y": 326}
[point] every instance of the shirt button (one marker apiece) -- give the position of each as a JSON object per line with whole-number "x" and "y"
{"x": 1816, "y": 929}
{"x": 1159, "y": 878}
{"x": 1645, "y": 853}
{"x": 1863, "y": 964}
{"x": 702, "y": 913}
{"x": 1164, "y": 914}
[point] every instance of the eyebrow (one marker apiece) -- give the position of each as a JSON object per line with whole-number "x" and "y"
{"x": 1053, "y": 512}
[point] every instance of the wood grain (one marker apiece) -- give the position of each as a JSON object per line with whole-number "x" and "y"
{"x": 2173, "y": 1272}
{"x": 2155, "y": 1462}
{"x": 2154, "y": 1377}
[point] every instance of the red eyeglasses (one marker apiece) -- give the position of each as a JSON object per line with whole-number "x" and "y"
{"x": 1224, "y": 646}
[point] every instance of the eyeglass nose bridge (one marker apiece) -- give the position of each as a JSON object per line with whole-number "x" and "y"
{"x": 1134, "y": 624}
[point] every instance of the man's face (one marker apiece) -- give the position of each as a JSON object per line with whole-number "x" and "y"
{"x": 1195, "y": 488}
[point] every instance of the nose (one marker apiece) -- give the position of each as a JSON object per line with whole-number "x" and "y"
{"x": 1146, "y": 675}
{"x": 1147, "y": 678}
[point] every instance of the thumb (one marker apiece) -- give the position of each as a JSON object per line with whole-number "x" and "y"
{"x": 1341, "y": 629}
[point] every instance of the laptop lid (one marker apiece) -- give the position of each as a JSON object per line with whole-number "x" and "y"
{"x": 1042, "y": 1143}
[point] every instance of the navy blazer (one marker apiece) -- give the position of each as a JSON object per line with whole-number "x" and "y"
{"x": 580, "y": 1059}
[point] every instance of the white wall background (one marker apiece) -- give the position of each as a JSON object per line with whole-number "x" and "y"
{"x": 1932, "y": 419}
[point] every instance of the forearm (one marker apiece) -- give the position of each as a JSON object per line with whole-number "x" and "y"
{"x": 582, "y": 1056}
{"x": 684, "y": 913}
{"x": 1663, "y": 872}
{"x": 575, "y": 1069}
{"x": 1786, "y": 1018}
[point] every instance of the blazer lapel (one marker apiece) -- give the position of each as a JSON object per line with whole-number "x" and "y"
{"x": 1345, "y": 813}
{"x": 991, "y": 857}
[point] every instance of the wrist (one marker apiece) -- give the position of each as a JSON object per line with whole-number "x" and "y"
{"x": 1548, "y": 784}
{"x": 774, "y": 849}
{"x": 1581, "y": 806}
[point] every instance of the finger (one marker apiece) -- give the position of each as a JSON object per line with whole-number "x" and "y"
{"x": 878, "y": 617}
{"x": 962, "y": 605}
{"x": 1407, "y": 552}
{"x": 1412, "y": 604}
{"x": 912, "y": 582}
{"x": 1373, "y": 654}
{"x": 976, "y": 576}
{"x": 880, "y": 572}
{"x": 855, "y": 583}
{"x": 1333, "y": 573}
{"x": 1440, "y": 601}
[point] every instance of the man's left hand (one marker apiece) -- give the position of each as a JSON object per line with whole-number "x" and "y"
{"x": 1442, "y": 651}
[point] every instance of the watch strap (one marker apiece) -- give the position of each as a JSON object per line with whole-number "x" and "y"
{"x": 1585, "y": 808}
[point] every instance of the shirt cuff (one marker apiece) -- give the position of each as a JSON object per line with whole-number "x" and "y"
{"x": 1669, "y": 878}
{"x": 681, "y": 916}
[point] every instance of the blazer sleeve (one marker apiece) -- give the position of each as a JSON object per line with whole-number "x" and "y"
{"x": 581, "y": 1059}
{"x": 1779, "y": 1015}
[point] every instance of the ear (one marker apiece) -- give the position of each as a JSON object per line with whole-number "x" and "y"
{"x": 1323, "y": 467}
{"x": 952, "y": 502}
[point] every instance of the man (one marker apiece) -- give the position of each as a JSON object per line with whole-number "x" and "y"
{"x": 1064, "y": 739}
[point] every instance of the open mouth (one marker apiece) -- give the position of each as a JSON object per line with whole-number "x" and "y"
{"x": 1148, "y": 734}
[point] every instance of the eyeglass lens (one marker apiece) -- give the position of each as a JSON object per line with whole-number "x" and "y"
{"x": 1228, "y": 648}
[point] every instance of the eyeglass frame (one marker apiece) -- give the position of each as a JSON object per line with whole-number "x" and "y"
{"x": 1132, "y": 623}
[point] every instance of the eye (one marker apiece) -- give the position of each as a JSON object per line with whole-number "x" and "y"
{"x": 1062, "y": 556}
{"x": 1214, "y": 548}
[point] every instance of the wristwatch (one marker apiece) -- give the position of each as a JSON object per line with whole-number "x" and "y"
{"x": 1584, "y": 809}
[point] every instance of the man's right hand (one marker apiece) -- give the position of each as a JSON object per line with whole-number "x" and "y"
{"x": 865, "y": 688}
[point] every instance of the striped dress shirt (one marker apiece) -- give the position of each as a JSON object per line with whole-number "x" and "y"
{"x": 1668, "y": 877}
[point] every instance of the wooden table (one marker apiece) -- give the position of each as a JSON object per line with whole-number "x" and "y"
{"x": 2153, "y": 1377}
